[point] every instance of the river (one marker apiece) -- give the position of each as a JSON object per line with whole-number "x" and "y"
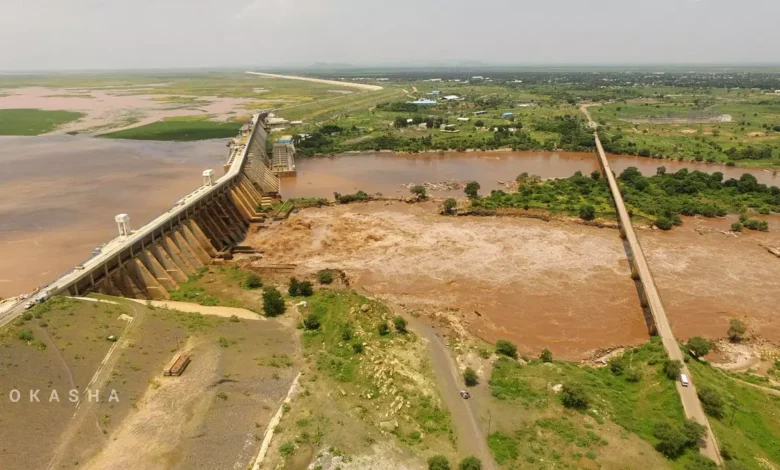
{"x": 386, "y": 172}
{"x": 59, "y": 196}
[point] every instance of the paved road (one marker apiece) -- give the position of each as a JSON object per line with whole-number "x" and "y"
{"x": 688, "y": 396}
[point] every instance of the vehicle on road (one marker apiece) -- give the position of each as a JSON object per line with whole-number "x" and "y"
{"x": 29, "y": 305}
{"x": 684, "y": 380}
{"x": 465, "y": 395}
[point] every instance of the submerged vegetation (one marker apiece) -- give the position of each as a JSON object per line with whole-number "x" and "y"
{"x": 179, "y": 129}
{"x": 660, "y": 199}
{"x": 33, "y": 121}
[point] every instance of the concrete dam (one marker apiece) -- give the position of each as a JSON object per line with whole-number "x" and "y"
{"x": 149, "y": 262}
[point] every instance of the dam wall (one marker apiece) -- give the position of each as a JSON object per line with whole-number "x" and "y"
{"x": 149, "y": 262}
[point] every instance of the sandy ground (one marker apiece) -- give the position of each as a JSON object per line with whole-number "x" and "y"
{"x": 60, "y": 194}
{"x": 202, "y": 309}
{"x": 362, "y": 86}
{"x": 557, "y": 285}
{"x": 110, "y": 110}
{"x": 561, "y": 286}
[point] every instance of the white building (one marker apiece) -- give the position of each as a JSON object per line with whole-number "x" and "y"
{"x": 451, "y": 98}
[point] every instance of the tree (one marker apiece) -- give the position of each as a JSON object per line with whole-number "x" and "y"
{"x": 479, "y": 123}
{"x": 672, "y": 368}
{"x": 672, "y": 442}
{"x": 700, "y": 462}
{"x": 449, "y": 205}
{"x": 587, "y": 212}
{"x": 736, "y": 331}
{"x": 470, "y": 377}
{"x": 472, "y": 189}
{"x": 325, "y": 276}
{"x": 664, "y": 223}
{"x": 253, "y": 281}
{"x": 470, "y": 463}
{"x": 506, "y": 348}
{"x": 347, "y": 333}
{"x": 546, "y": 355}
{"x": 573, "y": 396}
{"x": 312, "y": 322}
{"x": 710, "y": 401}
{"x": 693, "y": 432}
{"x": 305, "y": 288}
{"x": 634, "y": 375}
{"x": 273, "y": 303}
{"x": 699, "y": 346}
{"x": 400, "y": 324}
{"x": 357, "y": 348}
{"x": 736, "y": 227}
{"x": 383, "y": 329}
{"x": 293, "y": 288}
{"x": 399, "y": 122}
{"x": 438, "y": 462}
{"x": 419, "y": 191}
{"x": 596, "y": 175}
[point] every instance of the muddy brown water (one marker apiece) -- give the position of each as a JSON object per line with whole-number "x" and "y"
{"x": 385, "y": 172}
{"x": 59, "y": 196}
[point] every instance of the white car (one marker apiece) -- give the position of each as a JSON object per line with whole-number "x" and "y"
{"x": 684, "y": 380}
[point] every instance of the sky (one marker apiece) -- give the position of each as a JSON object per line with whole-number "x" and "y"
{"x": 257, "y": 34}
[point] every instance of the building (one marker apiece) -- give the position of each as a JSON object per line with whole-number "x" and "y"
{"x": 452, "y": 98}
{"x": 507, "y": 115}
{"x": 296, "y": 123}
{"x": 275, "y": 122}
{"x": 463, "y": 119}
{"x": 435, "y": 92}
{"x": 283, "y": 157}
{"x": 424, "y": 101}
{"x": 479, "y": 113}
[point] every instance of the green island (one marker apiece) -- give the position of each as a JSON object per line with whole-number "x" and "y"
{"x": 179, "y": 129}
{"x": 33, "y": 121}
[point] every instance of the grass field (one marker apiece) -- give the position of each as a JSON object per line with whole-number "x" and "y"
{"x": 33, "y": 121}
{"x": 179, "y": 129}
{"x": 534, "y": 423}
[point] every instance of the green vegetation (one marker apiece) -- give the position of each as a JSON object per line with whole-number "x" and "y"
{"x": 359, "y": 196}
{"x": 737, "y": 329}
{"x": 179, "y": 129}
{"x": 470, "y": 463}
{"x": 419, "y": 191}
{"x": 273, "y": 303}
{"x": 300, "y": 288}
{"x": 449, "y": 205}
{"x": 470, "y": 377}
{"x": 33, "y": 121}
{"x": 639, "y": 399}
{"x": 438, "y": 462}
{"x": 506, "y": 348}
{"x": 383, "y": 329}
{"x": 472, "y": 189}
{"x": 325, "y": 276}
{"x": 546, "y": 355}
{"x": 253, "y": 281}
{"x": 699, "y": 346}
{"x": 661, "y": 198}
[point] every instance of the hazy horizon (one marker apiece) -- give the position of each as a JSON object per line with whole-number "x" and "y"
{"x": 90, "y": 35}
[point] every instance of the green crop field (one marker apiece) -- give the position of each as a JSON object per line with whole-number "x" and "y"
{"x": 179, "y": 129}
{"x": 33, "y": 121}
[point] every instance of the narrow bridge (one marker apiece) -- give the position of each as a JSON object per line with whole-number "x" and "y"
{"x": 149, "y": 262}
{"x": 650, "y": 299}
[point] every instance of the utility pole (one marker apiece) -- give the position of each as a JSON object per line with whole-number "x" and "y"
{"x": 490, "y": 416}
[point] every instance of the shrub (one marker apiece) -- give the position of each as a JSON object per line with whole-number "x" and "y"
{"x": 222, "y": 395}
{"x": 470, "y": 463}
{"x": 472, "y": 189}
{"x": 253, "y": 281}
{"x": 736, "y": 227}
{"x": 400, "y": 324}
{"x": 710, "y": 401}
{"x": 700, "y": 462}
{"x": 325, "y": 276}
{"x": 312, "y": 322}
{"x": 546, "y": 355}
{"x": 305, "y": 288}
{"x": 438, "y": 462}
{"x": 573, "y": 396}
{"x": 287, "y": 448}
{"x": 347, "y": 333}
{"x": 693, "y": 432}
{"x": 664, "y": 223}
{"x": 736, "y": 330}
{"x": 616, "y": 365}
{"x": 587, "y": 212}
{"x": 357, "y": 348}
{"x": 25, "y": 335}
{"x": 383, "y": 329}
{"x": 470, "y": 377}
{"x": 419, "y": 191}
{"x": 449, "y": 205}
{"x": 760, "y": 225}
{"x": 273, "y": 303}
{"x": 634, "y": 375}
{"x": 506, "y": 348}
{"x": 672, "y": 369}
{"x": 699, "y": 346}
{"x": 293, "y": 288}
